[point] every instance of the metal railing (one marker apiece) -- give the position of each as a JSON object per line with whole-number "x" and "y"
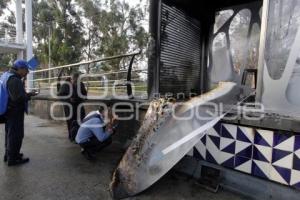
{"x": 125, "y": 80}
{"x": 8, "y": 35}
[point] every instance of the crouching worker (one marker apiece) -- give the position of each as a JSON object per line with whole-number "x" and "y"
{"x": 93, "y": 135}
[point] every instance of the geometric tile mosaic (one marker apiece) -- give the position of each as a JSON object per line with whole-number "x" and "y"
{"x": 297, "y": 143}
{"x": 244, "y": 149}
{"x": 284, "y": 142}
{"x": 226, "y": 159}
{"x": 229, "y": 163}
{"x": 295, "y": 179}
{"x": 266, "y": 154}
{"x": 285, "y": 161}
{"x": 261, "y": 169}
{"x": 262, "y": 153}
{"x": 214, "y": 132}
{"x": 227, "y": 145}
{"x": 217, "y": 128}
{"x": 243, "y": 164}
{"x": 200, "y": 150}
{"x": 245, "y": 134}
{"x": 229, "y": 131}
{"x": 212, "y": 149}
{"x": 263, "y": 137}
{"x": 281, "y": 175}
{"x": 296, "y": 160}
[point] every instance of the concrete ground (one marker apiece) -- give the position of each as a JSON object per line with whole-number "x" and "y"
{"x": 58, "y": 171}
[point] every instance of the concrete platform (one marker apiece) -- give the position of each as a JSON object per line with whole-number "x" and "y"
{"x": 58, "y": 171}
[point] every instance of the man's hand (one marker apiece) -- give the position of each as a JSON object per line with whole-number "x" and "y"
{"x": 110, "y": 131}
{"x": 32, "y": 93}
{"x": 111, "y": 127}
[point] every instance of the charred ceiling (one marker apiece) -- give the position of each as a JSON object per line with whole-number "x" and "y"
{"x": 205, "y": 10}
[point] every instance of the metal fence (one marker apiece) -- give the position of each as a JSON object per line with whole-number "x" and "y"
{"x": 128, "y": 82}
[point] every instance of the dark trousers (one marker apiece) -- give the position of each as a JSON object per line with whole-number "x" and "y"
{"x": 94, "y": 145}
{"x": 14, "y": 134}
{"x": 73, "y": 118}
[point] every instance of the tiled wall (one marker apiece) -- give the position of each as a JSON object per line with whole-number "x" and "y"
{"x": 267, "y": 154}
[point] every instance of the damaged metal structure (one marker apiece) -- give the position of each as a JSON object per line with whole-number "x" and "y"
{"x": 194, "y": 46}
{"x": 166, "y": 135}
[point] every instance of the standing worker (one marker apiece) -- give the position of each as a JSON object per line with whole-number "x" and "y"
{"x": 74, "y": 101}
{"x": 13, "y": 104}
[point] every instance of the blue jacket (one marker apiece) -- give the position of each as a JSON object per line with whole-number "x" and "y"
{"x": 4, "y": 92}
{"x": 92, "y": 125}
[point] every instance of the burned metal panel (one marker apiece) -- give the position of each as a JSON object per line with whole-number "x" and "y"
{"x": 281, "y": 69}
{"x": 234, "y": 43}
{"x": 154, "y": 47}
{"x": 180, "y": 52}
{"x": 168, "y": 132}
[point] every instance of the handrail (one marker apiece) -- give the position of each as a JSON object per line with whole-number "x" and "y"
{"x": 128, "y": 71}
{"x": 87, "y": 62}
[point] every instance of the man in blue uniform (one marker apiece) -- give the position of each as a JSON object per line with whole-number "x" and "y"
{"x": 14, "y": 101}
{"x": 93, "y": 135}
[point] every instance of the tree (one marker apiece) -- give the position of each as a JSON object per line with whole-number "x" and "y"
{"x": 66, "y": 37}
{"x": 6, "y": 61}
{"x": 7, "y": 30}
{"x": 113, "y": 28}
{"x": 3, "y": 5}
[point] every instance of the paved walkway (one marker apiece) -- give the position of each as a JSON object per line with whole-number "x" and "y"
{"x": 58, "y": 171}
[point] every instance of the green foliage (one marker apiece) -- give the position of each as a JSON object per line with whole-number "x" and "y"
{"x": 3, "y": 4}
{"x": 59, "y": 20}
{"x": 84, "y": 30}
{"x": 114, "y": 28}
{"x": 6, "y": 61}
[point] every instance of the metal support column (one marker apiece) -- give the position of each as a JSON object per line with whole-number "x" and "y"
{"x": 29, "y": 50}
{"x": 19, "y": 26}
{"x": 261, "y": 59}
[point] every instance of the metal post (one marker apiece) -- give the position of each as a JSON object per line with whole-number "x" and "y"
{"x": 29, "y": 51}
{"x": 49, "y": 55}
{"x": 261, "y": 59}
{"x": 19, "y": 26}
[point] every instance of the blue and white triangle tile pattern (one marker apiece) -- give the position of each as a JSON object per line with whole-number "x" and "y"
{"x": 261, "y": 169}
{"x": 271, "y": 155}
{"x": 229, "y": 131}
{"x": 243, "y": 164}
{"x": 295, "y": 179}
{"x": 264, "y": 138}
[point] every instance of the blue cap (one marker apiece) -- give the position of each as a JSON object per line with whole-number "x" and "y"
{"x": 18, "y": 64}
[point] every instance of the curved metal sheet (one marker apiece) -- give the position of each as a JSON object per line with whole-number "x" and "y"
{"x": 168, "y": 132}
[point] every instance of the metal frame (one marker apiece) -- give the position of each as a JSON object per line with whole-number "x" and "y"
{"x": 153, "y": 48}
{"x": 262, "y": 45}
{"x": 158, "y": 46}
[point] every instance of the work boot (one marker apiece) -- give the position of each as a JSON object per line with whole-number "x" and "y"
{"x": 5, "y": 157}
{"x": 88, "y": 155}
{"x": 18, "y": 161}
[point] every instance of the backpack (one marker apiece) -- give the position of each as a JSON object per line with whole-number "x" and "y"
{"x": 4, "y": 95}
